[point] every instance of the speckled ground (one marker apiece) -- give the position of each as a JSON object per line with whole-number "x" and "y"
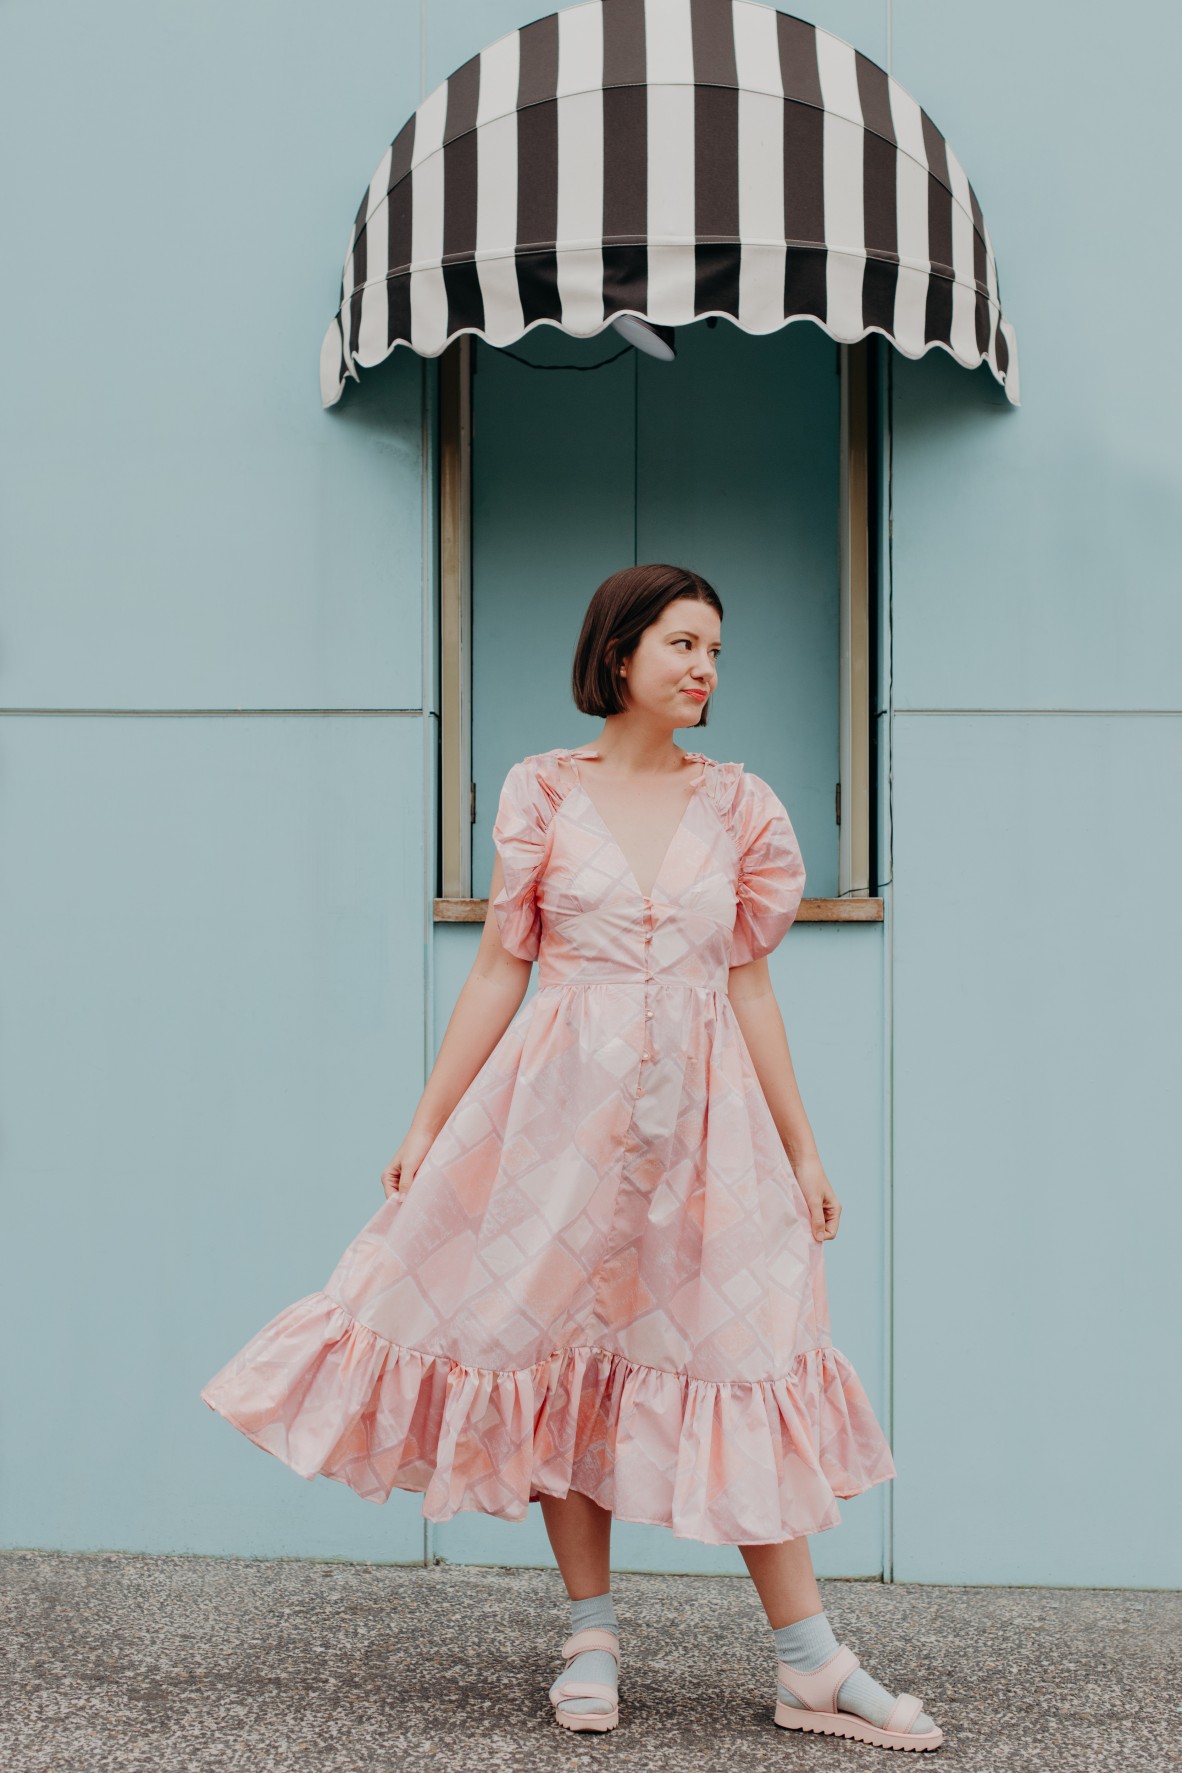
{"x": 119, "y": 1662}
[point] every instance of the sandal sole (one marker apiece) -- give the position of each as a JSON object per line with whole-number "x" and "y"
{"x": 832, "y": 1723}
{"x": 588, "y": 1720}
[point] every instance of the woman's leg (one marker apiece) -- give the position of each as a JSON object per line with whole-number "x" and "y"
{"x": 580, "y": 1536}
{"x": 783, "y": 1575}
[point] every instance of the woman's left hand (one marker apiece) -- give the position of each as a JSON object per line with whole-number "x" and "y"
{"x": 824, "y": 1206}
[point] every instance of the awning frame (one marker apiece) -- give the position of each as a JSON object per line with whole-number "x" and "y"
{"x": 669, "y": 159}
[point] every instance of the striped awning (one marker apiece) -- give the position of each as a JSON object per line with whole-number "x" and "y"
{"x": 669, "y": 159}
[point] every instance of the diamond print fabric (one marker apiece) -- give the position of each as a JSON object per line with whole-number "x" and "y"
{"x": 603, "y": 1277}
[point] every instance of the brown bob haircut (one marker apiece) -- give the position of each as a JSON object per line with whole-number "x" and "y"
{"x": 622, "y": 608}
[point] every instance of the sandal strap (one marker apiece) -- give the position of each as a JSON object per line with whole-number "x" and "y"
{"x": 584, "y": 1690}
{"x": 591, "y": 1637}
{"x": 817, "y": 1690}
{"x": 904, "y": 1712}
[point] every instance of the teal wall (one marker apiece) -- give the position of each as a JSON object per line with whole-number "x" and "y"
{"x": 1037, "y": 954}
{"x": 217, "y": 781}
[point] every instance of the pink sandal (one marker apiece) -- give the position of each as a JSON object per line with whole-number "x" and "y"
{"x": 818, "y": 1692}
{"x": 592, "y": 1637}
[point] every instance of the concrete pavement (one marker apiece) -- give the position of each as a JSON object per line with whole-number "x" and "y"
{"x": 115, "y": 1663}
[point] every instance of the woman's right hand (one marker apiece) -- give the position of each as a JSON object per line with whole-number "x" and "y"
{"x": 402, "y": 1168}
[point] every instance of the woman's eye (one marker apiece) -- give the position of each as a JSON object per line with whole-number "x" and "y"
{"x": 683, "y": 641}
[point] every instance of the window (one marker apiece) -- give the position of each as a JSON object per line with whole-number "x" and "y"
{"x": 748, "y": 459}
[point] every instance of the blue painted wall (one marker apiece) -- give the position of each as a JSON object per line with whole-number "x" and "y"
{"x": 213, "y": 764}
{"x": 1037, "y": 842}
{"x": 222, "y": 984}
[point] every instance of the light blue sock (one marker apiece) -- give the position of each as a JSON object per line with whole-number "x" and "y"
{"x": 807, "y": 1643}
{"x": 592, "y": 1665}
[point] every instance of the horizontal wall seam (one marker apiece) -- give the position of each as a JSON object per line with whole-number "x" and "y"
{"x": 416, "y": 713}
{"x": 901, "y": 713}
{"x": 217, "y": 713}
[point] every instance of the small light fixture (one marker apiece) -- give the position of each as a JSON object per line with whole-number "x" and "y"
{"x": 654, "y": 341}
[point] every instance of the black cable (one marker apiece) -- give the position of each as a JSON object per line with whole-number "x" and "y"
{"x": 502, "y": 352}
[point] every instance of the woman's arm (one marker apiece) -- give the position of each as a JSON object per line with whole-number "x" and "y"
{"x": 489, "y": 999}
{"x": 758, "y": 1014}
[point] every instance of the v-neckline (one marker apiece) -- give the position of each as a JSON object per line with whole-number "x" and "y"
{"x": 589, "y": 751}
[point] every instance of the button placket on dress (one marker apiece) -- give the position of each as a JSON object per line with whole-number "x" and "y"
{"x": 635, "y": 1177}
{"x": 648, "y": 1055}
{"x": 646, "y": 945}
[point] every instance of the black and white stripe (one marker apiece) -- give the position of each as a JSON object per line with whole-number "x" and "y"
{"x": 672, "y": 159}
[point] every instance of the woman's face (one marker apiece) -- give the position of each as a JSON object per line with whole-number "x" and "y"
{"x": 674, "y": 666}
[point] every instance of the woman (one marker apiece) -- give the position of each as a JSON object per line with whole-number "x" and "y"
{"x": 597, "y": 1280}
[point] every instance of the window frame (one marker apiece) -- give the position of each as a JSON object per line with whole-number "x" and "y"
{"x": 455, "y": 904}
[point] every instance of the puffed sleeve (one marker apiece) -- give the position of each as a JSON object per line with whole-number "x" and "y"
{"x": 770, "y": 882}
{"x": 520, "y": 832}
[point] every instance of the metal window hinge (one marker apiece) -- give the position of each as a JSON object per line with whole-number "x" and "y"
{"x": 472, "y": 804}
{"x": 837, "y": 804}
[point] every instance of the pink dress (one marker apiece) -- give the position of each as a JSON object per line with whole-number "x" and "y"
{"x": 603, "y": 1277}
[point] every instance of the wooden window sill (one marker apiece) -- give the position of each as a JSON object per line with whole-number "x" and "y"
{"x": 811, "y": 911}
